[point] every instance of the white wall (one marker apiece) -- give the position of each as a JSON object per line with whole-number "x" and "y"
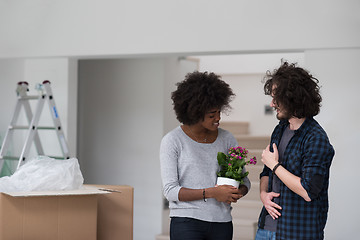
{"x": 338, "y": 72}
{"x": 97, "y": 28}
{"x": 11, "y": 72}
{"x": 255, "y": 63}
{"x": 249, "y": 104}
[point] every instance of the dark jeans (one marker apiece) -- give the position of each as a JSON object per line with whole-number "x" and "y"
{"x": 182, "y": 228}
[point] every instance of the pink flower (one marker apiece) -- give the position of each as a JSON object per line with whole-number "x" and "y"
{"x": 253, "y": 161}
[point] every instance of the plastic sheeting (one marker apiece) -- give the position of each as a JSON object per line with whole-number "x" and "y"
{"x": 44, "y": 174}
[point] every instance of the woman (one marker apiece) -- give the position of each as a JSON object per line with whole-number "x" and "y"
{"x": 198, "y": 208}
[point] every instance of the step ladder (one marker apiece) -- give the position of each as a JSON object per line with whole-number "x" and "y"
{"x": 45, "y": 94}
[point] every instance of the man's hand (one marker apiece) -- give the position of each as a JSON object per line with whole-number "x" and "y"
{"x": 270, "y": 159}
{"x": 269, "y": 205}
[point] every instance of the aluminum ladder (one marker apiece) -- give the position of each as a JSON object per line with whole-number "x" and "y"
{"x": 45, "y": 94}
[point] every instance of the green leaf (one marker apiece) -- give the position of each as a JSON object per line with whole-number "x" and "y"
{"x": 243, "y": 175}
{"x": 221, "y": 157}
{"x": 229, "y": 174}
{"x": 236, "y": 164}
{"x": 242, "y": 162}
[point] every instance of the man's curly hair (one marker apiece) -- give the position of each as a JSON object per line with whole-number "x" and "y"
{"x": 198, "y": 93}
{"x": 295, "y": 89}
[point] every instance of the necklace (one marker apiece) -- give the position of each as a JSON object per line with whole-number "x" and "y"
{"x": 192, "y": 134}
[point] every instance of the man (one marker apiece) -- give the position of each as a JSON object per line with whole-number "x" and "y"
{"x": 295, "y": 179}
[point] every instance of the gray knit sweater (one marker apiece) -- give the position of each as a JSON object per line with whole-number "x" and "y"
{"x": 187, "y": 163}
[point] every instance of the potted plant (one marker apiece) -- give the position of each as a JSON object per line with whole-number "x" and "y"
{"x": 231, "y": 166}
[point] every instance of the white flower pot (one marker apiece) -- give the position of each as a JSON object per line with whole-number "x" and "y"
{"x": 227, "y": 181}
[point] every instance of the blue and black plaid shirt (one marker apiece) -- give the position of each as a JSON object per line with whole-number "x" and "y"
{"x": 308, "y": 156}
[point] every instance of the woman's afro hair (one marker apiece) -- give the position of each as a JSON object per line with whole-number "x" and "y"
{"x": 198, "y": 93}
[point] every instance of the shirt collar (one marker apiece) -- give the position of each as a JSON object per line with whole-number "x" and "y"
{"x": 306, "y": 124}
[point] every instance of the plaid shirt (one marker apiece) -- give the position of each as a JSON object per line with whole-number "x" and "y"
{"x": 308, "y": 156}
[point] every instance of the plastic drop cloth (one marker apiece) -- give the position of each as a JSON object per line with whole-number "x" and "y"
{"x": 43, "y": 173}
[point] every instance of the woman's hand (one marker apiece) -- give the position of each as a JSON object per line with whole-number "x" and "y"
{"x": 226, "y": 193}
{"x": 243, "y": 190}
{"x": 270, "y": 159}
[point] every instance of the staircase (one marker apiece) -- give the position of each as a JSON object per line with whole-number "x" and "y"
{"x": 246, "y": 211}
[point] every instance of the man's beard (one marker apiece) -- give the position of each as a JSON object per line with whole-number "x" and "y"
{"x": 281, "y": 115}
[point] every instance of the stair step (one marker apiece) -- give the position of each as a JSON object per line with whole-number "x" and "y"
{"x": 252, "y": 142}
{"x": 254, "y": 193}
{"x": 244, "y": 229}
{"x": 254, "y": 172}
{"x": 162, "y": 237}
{"x": 235, "y": 127}
{"x": 246, "y": 209}
{"x": 166, "y": 221}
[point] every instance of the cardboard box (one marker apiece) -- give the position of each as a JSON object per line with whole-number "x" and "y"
{"x": 115, "y": 213}
{"x": 65, "y": 215}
